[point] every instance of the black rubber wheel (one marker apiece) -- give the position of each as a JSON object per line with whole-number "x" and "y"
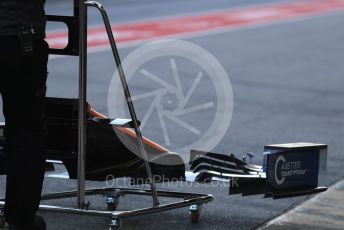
{"x": 194, "y": 216}
{"x": 111, "y": 207}
{"x": 115, "y": 224}
{"x": 112, "y": 203}
{"x": 114, "y": 228}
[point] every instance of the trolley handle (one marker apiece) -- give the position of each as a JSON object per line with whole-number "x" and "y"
{"x": 72, "y": 23}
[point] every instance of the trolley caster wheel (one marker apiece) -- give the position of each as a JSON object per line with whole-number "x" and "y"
{"x": 111, "y": 203}
{"x": 114, "y": 228}
{"x": 194, "y": 217}
{"x": 195, "y": 212}
{"x": 115, "y": 224}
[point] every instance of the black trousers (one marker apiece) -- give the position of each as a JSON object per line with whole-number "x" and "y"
{"x": 23, "y": 86}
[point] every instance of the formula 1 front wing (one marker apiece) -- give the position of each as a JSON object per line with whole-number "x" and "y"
{"x": 286, "y": 172}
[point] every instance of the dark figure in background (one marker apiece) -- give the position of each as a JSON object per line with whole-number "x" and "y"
{"x": 23, "y": 74}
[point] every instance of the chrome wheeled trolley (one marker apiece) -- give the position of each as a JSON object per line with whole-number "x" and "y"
{"x": 77, "y": 46}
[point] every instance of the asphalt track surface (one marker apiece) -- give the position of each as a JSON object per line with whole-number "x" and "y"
{"x": 288, "y": 86}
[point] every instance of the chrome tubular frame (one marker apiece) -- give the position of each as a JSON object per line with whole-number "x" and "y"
{"x": 82, "y": 103}
{"x": 127, "y": 96}
{"x": 188, "y": 199}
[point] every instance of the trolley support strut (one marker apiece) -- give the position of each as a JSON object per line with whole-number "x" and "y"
{"x": 127, "y": 96}
{"x": 82, "y": 103}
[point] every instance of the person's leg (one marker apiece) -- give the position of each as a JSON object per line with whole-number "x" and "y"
{"x": 23, "y": 94}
